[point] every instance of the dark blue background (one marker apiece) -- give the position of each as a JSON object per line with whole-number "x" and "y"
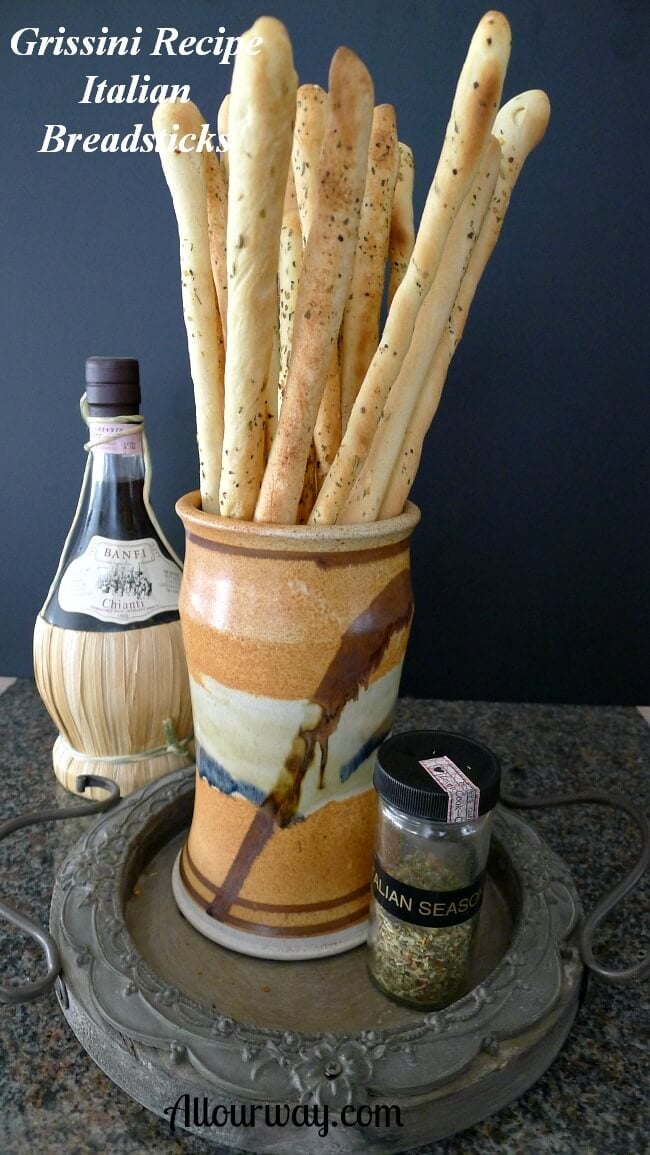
{"x": 531, "y": 563}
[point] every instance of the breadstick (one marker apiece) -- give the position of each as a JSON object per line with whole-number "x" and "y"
{"x": 324, "y": 284}
{"x": 311, "y": 117}
{"x": 185, "y": 174}
{"x": 222, "y": 133}
{"x": 402, "y": 228}
{"x": 271, "y": 393}
{"x": 327, "y": 427}
{"x": 288, "y": 277}
{"x": 406, "y": 467}
{"x": 262, "y": 109}
{"x": 217, "y": 214}
{"x": 368, "y": 492}
{"x": 475, "y": 103}
{"x": 519, "y": 128}
{"x": 360, "y": 329}
{"x": 309, "y": 487}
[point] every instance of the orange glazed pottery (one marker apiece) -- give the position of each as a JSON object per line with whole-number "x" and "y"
{"x": 295, "y": 638}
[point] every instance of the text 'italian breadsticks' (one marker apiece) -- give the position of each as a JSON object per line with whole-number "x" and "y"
{"x": 311, "y": 406}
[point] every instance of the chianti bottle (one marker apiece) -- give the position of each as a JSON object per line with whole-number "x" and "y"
{"x": 108, "y": 653}
{"x": 116, "y": 572}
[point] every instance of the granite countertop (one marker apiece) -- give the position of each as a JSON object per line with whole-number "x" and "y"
{"x": 591, "y": 1100}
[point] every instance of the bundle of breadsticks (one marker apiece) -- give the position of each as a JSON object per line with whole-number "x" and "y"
{"x": 293, "y": 242}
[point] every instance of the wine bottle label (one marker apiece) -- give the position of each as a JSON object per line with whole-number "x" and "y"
{"x": 116, "y": 437}
{"x": 120, "y": 581}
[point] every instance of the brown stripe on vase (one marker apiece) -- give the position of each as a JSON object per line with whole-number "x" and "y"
{"x": 308, "y": 863}
{"x": 308, "y": 929}
{"x": 360, "y": 652}
{"x": 284, "y": 925}
{"x": 255, "y": 839}
{"x": 354, "y": 896}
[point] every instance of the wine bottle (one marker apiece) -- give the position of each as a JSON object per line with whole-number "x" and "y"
{"x": 116, "y": 571}
{"x": 108, "y": 654}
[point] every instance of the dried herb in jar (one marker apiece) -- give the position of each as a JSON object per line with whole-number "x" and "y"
{"x": 417, "y": 963}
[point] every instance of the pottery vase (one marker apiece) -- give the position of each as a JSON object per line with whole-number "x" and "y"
{"x": 295, "y": 638}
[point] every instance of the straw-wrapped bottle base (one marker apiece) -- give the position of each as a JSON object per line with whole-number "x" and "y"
{"x": 129, "y": 776}
{"x": 120, "y": 702}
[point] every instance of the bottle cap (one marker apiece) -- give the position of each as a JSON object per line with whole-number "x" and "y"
{"x": 438, "y": 775}
{"x": 112, "y": 386}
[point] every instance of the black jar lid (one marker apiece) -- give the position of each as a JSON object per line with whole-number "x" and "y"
{"x": 112, "y": 386}
{"x": 401, "y": 779}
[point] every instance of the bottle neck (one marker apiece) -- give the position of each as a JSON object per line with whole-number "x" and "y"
{"x": 117, "y": 452}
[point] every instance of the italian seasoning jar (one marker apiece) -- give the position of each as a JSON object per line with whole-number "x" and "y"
{"x": 436, "y": 795}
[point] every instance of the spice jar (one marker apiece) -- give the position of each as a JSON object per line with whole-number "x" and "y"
{"x": 436, "y": 794}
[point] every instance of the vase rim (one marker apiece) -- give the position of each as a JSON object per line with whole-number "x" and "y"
{"x": 252, "y": 534}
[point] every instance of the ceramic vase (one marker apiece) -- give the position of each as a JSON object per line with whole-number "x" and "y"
{"x": 295, "y": 638}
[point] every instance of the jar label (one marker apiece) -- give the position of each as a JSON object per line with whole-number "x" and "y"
{"x": 463, "y": 794}
{"x": 432, "y": 908}
{"x": 120, "y": 581}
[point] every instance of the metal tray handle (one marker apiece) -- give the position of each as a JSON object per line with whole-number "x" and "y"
{"x": 27, "y": 992}
{"x": 641, "y": 969}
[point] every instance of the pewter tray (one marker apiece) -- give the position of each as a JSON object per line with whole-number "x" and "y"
{"x": 166, "y": 1013}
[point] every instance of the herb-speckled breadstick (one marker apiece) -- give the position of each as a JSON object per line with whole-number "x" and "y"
{"x": 185, "y": 173}
{"x": 519, "y": 127}
{"x": 473, "y": 110}
{"x": 260, "y": 122}
{"x": 217, "y": 213}
{"x": 360, "y": 330}
{"x": 288, "y": 278}
{"x": 324, "y": 284}
{"x": 222, "y": 133}
{"x": 402, "y": 227}
{"x": 368, "y": 491}
{"x": 311, "y": 117}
